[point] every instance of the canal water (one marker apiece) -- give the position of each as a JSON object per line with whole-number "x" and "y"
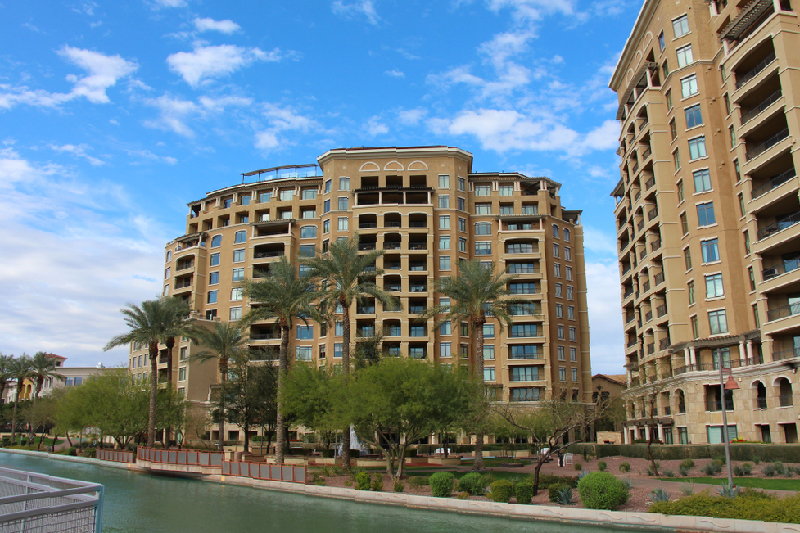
{"x": 137, "y": 502}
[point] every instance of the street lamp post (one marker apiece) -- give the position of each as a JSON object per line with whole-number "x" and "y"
{"x": 730, "y": 385}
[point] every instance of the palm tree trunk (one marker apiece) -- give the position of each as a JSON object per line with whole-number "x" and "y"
{"x": 346, "y": 373}
{"x": 151, "y": 419}
{"x": 283, "y": 367}
{"x": 14, "y": 415}
{"x": 223, "y": 379}
{"x": 478, "y": 325}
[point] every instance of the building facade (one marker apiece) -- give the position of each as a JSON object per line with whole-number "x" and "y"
{"x": 428, "y": 211}
{"x": 706, "y": 216}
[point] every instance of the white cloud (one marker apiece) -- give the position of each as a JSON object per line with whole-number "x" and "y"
{"x": 74, "y": 253}
{"x": 282, "y": 119}
{"x": 528, "y": 11}
{"x": 599, "y": 242}
{"x": 78, "y": 151}
{"x": 605, "y": 319}
{"x": 168, "y": 3}
{"x": 147, "y": 155}
{"x": 362, "y": 7}
{"x": 411, "y": 116}
{"x": 103, "y": 72}
{"x": 219, "y": 104}
{"x": 376, "y": 127}
{"x": 395, "y": 73}
{"x": 214, "y": 61}
{"x": 209, "y": 24}
{"x": 174, "y": 113}
{"x": 604, "y": 137}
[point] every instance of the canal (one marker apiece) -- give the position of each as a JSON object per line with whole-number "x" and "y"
{"x": 136, "y": 502}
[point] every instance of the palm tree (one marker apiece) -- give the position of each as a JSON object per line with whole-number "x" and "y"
{"x": 477, "y": 292}
{"x": 223, "y": 342}
{"x": 43, "y": 367}
{"x": 282, "y": 295}
{"x": 20, "y": 369}
{"x": 152, "y": 322}
{"x": 5, "y": 372}
{"x": 348, "y": 276}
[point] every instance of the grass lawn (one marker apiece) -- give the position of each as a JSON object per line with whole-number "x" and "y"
{"x": 755, "y": 482}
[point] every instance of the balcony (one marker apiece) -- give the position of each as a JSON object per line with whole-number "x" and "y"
{"x": 783, "y": 312}
{"x": 367, "y": 225}
{"x": 768, "y": 101}
{"x": 262, "y": 255}
{"x": 418, "y": 288}
{"x": 761, "y": 403}
{"x": 649, "y": 184}
{"x": 786, "y": 222}
{"x": 629, "y": 318}
{"x": 766, "y": 145}
{"x": 782, "y": 268}
{"x": 365, "y": 310}
{"x": 748, "y": 20}
{"x": 635, "y": 168}
{"x": 638, "y": 195}
{"x": 786, "y": 400}
{"x": 658, "y": 279}
{"x": 651, "y": 348}
{"x": 640, "y": 225}
{"x": 716, "y": 405}
{"x": 653, "y": 213}
{"x": 753, "y": 72}
{"x": 646, "y": 286}
{"x": 773, "y": 183}
{"x": 643, "y": 253}
{"x": 648, "y": 316}
{"x": 655, "y": 245}
{"x": 628, "y": 292}
{"x": 366, "y": 246}
{"x": 417, "y": 246}
{"x": 631, "y": 343}
{"x": 661, "y": 310}
{"x": 391, "y": 245}
{"x": 663, "y": 344}
{"x": 392, "y": 265}
{"x": 786, "y": 354}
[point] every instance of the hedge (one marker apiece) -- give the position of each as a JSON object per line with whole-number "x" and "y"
{"x": 769, "y": 453}
{"x": 749, "y": 505}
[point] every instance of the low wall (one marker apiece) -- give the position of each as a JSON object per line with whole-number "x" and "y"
{"x": 115, "y": 456}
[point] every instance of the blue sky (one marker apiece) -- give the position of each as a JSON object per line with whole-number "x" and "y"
{"x": 114, "y": 115}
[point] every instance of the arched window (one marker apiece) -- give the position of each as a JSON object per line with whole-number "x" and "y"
{"x": 307, "y": 232}
{"x": 785, "y": 393}
{"x": 216, "y": 241}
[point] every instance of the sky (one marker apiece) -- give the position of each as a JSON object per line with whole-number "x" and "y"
{"x": 115, "y": 115}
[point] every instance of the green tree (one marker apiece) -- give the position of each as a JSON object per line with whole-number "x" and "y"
{"x": 398, "y": 401}
{"x": 5, "y": 372}
{"x": 224, "y": 342}
{"x": 149, "y": 324}
{"x": 477, "y": 292}
{"x": 313, "y": 397}
{"x": 71, "y": 411}
{"x": 250, "y": 395}
{"x": 282, "y": 296}
{"x": 348, "y": 276}
{"x": 43, "y": 367}
{"x": 115, "y": 404}
{"x": 20, "y": 369}
{"x": 40, "y": 415}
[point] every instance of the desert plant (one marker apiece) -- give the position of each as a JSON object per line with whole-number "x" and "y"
{"x": 554, "y": 490}
{"x": 625, "y": 467}
{"x": 419, "y": 481}
{"x": 473, "y": 483}
{"x": 683, "y": 470}
{"x": 687, "y": 489}
{"x": 744, "y": 470}
{"x": 582, "y": 475}
{"x": 442, "y": 484}
{"x": 712, "y": 468}
{"x": 524, "y": 492}
{"x": 565, "y": 495}
{"x": 501, "y": 491}
{"x": 377, "y": 483}
{"x": 578, "y": 467}
{"x": 602, "y": 466}
{"x": 728, "y": 491}
{"x": 362, "y": 481}
{"x": 659, "y": 495}
{"x": 688, "y": 463}
{"x": 769, "y": 471}
{"x": 720, "y": 459}
{"x": 651, "y": 469}
{"x": 668, "y": 473}
{"x": 398, "y": 486}
{"x": 463, "y": 496}
{"x": 781, "y": 470}
{"x": 601, "y": 490}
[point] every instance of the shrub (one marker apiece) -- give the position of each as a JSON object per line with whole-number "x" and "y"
{"x": 473, "y": 483}
{"x": 331, "y": 471}
{"x": 548, "y": 480}
{"x": 442, "y": 484}
{"x": 687, "y": 489}
{"x": 712, "y": 468}
{"x": 683, "y": 470}
{"x": 668, "y": 473}
{"x": 769, "y": 470}
{"x": 602, "y": 465}
{"x": 757, "y": 460}
{"x": 601, "y": 490}
{"x": 501, "y": 491}
{"x": 377, "y": 483}
{"x": 720, "y": 459}
{"x": 749, "y": 505}
{"x": 72, "y": 451}
{"x": 780, "y": 469}
{"x": 398, "y": 486}
{"x": 687, "y": 463}
{"x": 728, "y": 491}
{"x": 563, "y": 495}
{"x": 419, "y": 481}
{"x": 463, "y": 495}
{"x": 362, "y": 481}
{"x": 659, "y": 495}
{"x": 578, "y": 466}
{"x": 553, "y": 492}
{"x": 524, "y": 492}
{"x": 651, "y": 470}
{"x": 625, "y": 467}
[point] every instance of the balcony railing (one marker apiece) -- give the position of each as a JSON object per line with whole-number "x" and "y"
{"x": 752, "y": 73}
{"x": 647, "y": 152}
{"x": 628, "y": 292}
{"x": 777, "y": 181}
{"x": 786, "y": 400}
{"x": 417, "y": 288}
{"x": 629, "y": 318}
{"x": 782, "y": 268}
{"x": 184, "y": 266}
{"x": 392, "y": 331}
{"x": 638, "y": 195}
{"x": 367, "y": 225}
{"x": 640, "y": 225}
{"x": 658, "y": 279}
{"x": 661, "y": 310}
{"x": 766, "y": 145}
{"x": 392, "y": 265}
{"x": 391, "y": 224}
{"x": 714, "y": 367}
{"x": 783, "y": 312}
{"x": 716, "y": 405}
{"x": 655, "y": 245}
{"x": 391, "y": 245}
{"x": 663, "y": 344}
{"x": 646, "y": 286}
{"x": 626, "y": 269}
{"x": 365, "y": 310}
{"x": 653, "y": 213}
{"x": 645, "y": 120}
{"x": 786, "y": 354}
{"x": 648, "y": 316}
{"x": 417, "y": 224}
{"x": 786, "y": 222}
{"x": 768, "y": 101}
{"x": 643, "y": 253}
{"x": 651, "y": 348}
{"x": 366, "y": 246}
{"x": 183, "y": 285}
{"x": 417, "y": 246}
{"x": 262, "y": 255}
{"x": 650, "y": 183}
{"x": 636, "y": 168}
{"x": 761, "y": 403}
{"x": 632, "y": 343}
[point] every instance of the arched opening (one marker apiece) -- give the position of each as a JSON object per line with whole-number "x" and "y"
{"x": 785, "y": 393}
{"x": 761, "y": 395}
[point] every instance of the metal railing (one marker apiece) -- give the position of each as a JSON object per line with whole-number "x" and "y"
{"x": 753, "y": 72}
{"x": 645, "y": 155}
{"x": 651, "y": 348}
{"x": 761, "y": 403}
{"x": 628, "y": 292}
{"x": 663, "y": 344}
{"x": 632, "y": 343}
{"x": 783, "y": 312}
{"x": 629, "y": 318}
{"x": 262, "y": 255}
{"x": 782, "y": 268}
{"x": 637, "y": 196}
{"x": 646, "y": 286}
{"x": 768, "y": 101}
{"x": 636, "y": 168}
{"x": 655, "y": 245}
{"x": 716, "y": 405}
{"x": 658, "y": 279}
{"x": 653, "y": 213}
{"x": 774, "y": 182}
{"x": 417, "y": 246}
{"x": 366, "y": 246}
{"x": 786, "y": 400}
{"x": 367, "y": 225}
{"x": 391, "y": 245}
{"x": 766, "y": 145}
{"x": 661, "y": 310}
{"x": 786, "y": 354}
{"x": 779, "y": 225}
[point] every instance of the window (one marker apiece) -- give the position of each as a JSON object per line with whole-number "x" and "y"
{"x": 569, "y": 292}
{"x": 676, "y": 159}
{"x": 562, "y": 373}
{"x": 684, "y": 55}
{"x": 462, "y": 205}
{"x": 240, "y": 236}
{"x": 523, "y": 330}
{"x": 732, "y": 134}
{"x": 483, "y": 248}
{"x": 326, "y": 226}
{"x": 462, "y": 184}
{"x": 326, "y": 206}
{"x": 236, "y": 313}
{"x": 488, "y": 373}
{"x": 444, "y": 349}
{"x": 211, "y": 314}
{"x": 462, "y": 244}
{"x": 444, "y": 221}
{"x": 572, "y": 333}
{"x": 756, "y": 318}
{"x": 559, "y": 311}
{"x": 525, "y": 394}
{"x": 444, "y": 262}
{"x": 227, "y": 202}
{"x": 444, "y": 242}
{"x": 343, "y": 202}
{"x": 573, "y": 354}
{"x": 308, "y": 232}
{"x": 488, "y": 352}
{"x": 337, "y": 350}
{"x": 462, "y": 224}
{"x": 705, "y": 214}
{"x": 747, "y": 242}
{"x": 525, "y": 373}
{"x": 522, "y": 287}
{"x": 727, "y": 100}
{"x": 710, "y": 250}
{"x": 555, "y": 231}
{"x": 416, "y": 352}
{"x": 238, "y": 256}
{"x": 690, "y": 292}
{"x": 736, "y": 170}
{"x": 524, "y": 351}
{"x": 483, "y": 228}
{"x": 344, "y": 184}
{"x": 558, "y": 290}
{"x": 557, "y": 270}
{"x": 308, "y": 213}
{"x": 568, "y": 272}
{"x": 506, "y": 190}
{"x": 445, "y": 328}
{"x": 665, "y": 68}
{"x": 673, "y": 130}
{"x": 444, "y": 182}
{"x": 285, "y": 214}
{"x": 444, "y": 201}
{"x": 695, "y": 327}
{"x": 488, "y": 331}
{"x": 343, "y": 223}
{"x": 338, "y": 329}
{"x": 286, "y": 195}
{"x": 561, "y": 356}
{"x": 669, "y": 100}
{"x": 681, "y": 195}
{"x": 681, "y": 26}
{"x": 697, "y": 148}
{"x": 661, "y": 44}
{"x": 568, "y": 253}
{"x": 752, "y": 278}
{"x": 687, "y": 258}
{"x": 213, "y": 278}
{"x": 571, "y": 312}
{"x": 483, "y": 190}
{"x": 236, "y": 294}
{"x": 306, "y": 250}
{"x": 308, "y": 194}
{"x": 483, "y": 209}
{"x": 506, "y": 209}
{"x": 689, "y": 86}
{"x": 574, "y": 375}
{"x": 714, "y": 286}
{"x": 216, "y": 241}
{"x": 702, "y": 180}
{"x": 530, "y": 209}
{"x": 305, "y": 333}
{"x": 303, "y": 353}
{"x": 742, "y": 209}
{"x": 212, "y": 297}
{"x": 718, "y": 322}
{"x": 265, "y": 196}
{"x": 694, "y": 116}
{"x": 555, "y": 249}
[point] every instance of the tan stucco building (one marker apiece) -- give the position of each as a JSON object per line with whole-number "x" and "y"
{"x": 427, "y": 209}
{"x": 706, "y": 212}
